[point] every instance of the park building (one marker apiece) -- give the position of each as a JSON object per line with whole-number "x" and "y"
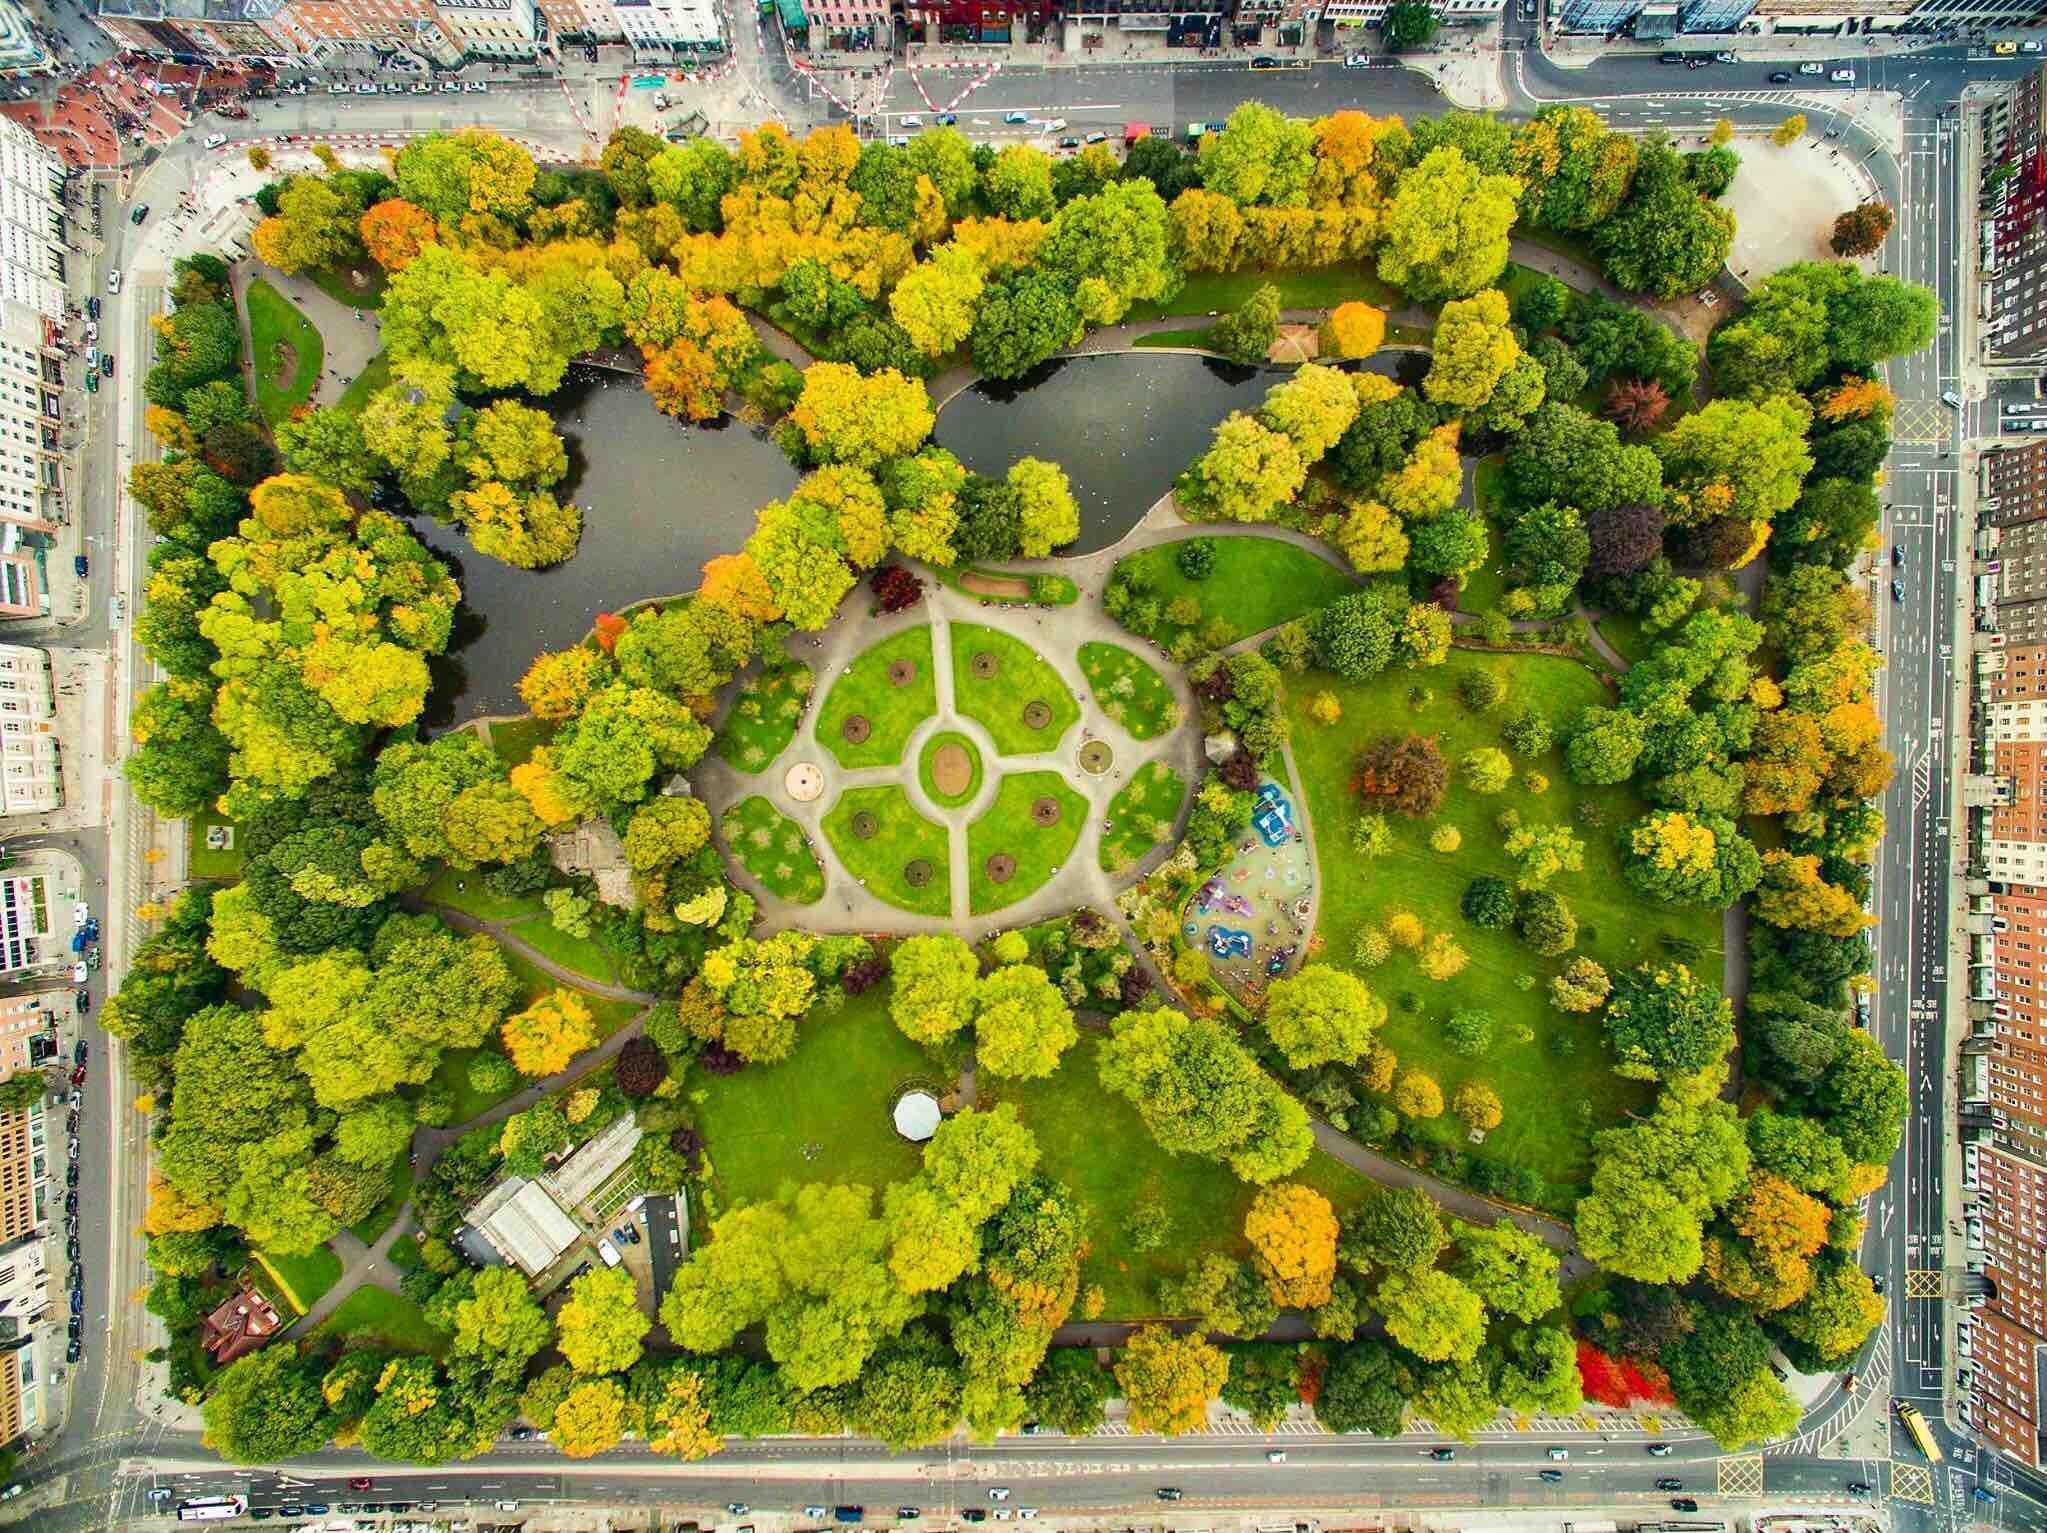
{"x": 541, "y": 1224}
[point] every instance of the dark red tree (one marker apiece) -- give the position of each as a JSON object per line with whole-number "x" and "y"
{"x": 896, "y": 588}
{"x": 1624, "y": 539}
{"x": 1635, "y": 404}
{"x": 1403, "y": 772}
{"x": 641, "y": 1068}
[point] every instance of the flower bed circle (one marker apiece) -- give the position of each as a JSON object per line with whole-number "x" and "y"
{"x": 917, "y": 873}
{"x": 1045, "y": 811}
{"x": 1096, "y": 757}
{"x": 864, "y": 825}
{"x": 804, "y": 782}
{"x": 902, "y": 672}
{"x": 1001, "y": 868}
{"x": 1037, "y": 713}
{"x": 856, "y": 728}
{"x": 984, "y": 664}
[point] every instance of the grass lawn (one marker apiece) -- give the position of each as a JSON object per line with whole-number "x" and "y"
{"x": 1094, "y": 1141}
{"x": 514, "y": 740}
{"x": 901, "y": 836}
{"x": 452, "y": 1073}
{"x": 1552, "y": 1071}
{"x": 379, "y": 1218}
{"x": 1484, "y": 586}
{"x": 1007, "y": 827}
{"x": 1625, "y": 634}
{"x": 763, "y": 717}
{"x": 1020, "y": 677}
{"x": 287, "y": 351}
{"x": 381, "y": 1318}
{"x": 891, "y": 711}
{"x": 1221, "y": 291}
{"x": 960, "y": 795}
{"x": 770, "y": 846}
{"x": 1257, "y": 583}
{"x": 224, "y": 866}
{"x": 1129, "y": 690}
{"x": 1142, "y": 812}
{"x": 1173, "y": 339}
{"x": 301, "y": 1280}
{"x": 366, "y": 294}
{"x": 832, "y": 1096}
{"x": 374, "y": 376}
{"x": 466, "y": 892}
{"x": 583, "y": 954}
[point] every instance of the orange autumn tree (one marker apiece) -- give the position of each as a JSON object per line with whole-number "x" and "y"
{"x": 394, "y": 232}
{"x": 1292, "y": 1230}
{"x": 559, "y": 682}
{"x": 735, "y": 583}
{"x": 1856, "y": 398}
{"x": 547, "y": 1036}
{"x": 1352, "y": 330}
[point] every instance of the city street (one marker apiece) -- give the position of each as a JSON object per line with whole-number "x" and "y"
{"x": 110, "y": 1453}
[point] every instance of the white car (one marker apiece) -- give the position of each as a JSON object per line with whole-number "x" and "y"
{"x": 78, "y": 973}
{"x": 479, "y": 86}
{"x": 421, "y": 88}
{"x": 114, "y": 280}
{"x": 215, "y": 140}
{"x": 508, "y": 1506}
{"x": 1275, "y": 1455}
{"x": 451, "y": 87}
{"x": 1812, "y": 69}
{"x": 1357, "y": 61}
{"x": 1843, "y": 77}
{"x": 816, "y": 1511}
{"x": 912, "y": 120}
{"x": 366, "y": 90}
{"x": 998, "y": 1493}
{"x": 80, "y": 912}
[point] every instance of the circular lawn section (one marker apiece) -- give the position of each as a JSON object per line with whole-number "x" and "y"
{"x": 877, "y": 702}
{"x": 950, "y": 769}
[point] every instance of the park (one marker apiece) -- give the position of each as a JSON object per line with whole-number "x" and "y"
{"x": 1319, "y": 888}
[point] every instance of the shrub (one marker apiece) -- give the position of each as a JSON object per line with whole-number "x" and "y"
{"x": 1469, "y": 1031}
{"x": 1443, "y": 958}
{"x": 1486, "y": 769}
{"x": 1446, "y": 838}
{"x": 1488, "y": 902}
{"x": 1375, "y": 1070}
{"x": 1478, "y": 1105}
{"x": 1482, "y": 691}
{"x": 1371, "y": 947}
{"x": 1325, "y": 708}
{"x": 1547, "y": 923}
{"x": 1418, "y": 1096}
{"x": 1371, "y": 836}
{"x": 1534, "y": 783}
{"x": 1196, "y": 558}
{"x": 1404, "y": 929}
{"x": 1583, "y": 986}
{"x": 1528, "y": 733}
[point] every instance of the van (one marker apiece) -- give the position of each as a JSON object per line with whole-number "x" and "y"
{"x": 609, "y": 1253}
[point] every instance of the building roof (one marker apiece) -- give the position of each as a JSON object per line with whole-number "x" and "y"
{"x": 917, "y": 1116}
{"x": 792, "y": 13}
{"x": 245, "y": 1322}
{"x": 591, "y": 1167}
{"x": 524, "y": 1224}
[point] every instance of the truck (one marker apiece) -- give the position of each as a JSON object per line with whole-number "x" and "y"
{"x": 1916, "y": 1429}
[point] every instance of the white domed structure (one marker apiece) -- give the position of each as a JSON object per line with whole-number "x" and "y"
{"x": 917, "y": 1116}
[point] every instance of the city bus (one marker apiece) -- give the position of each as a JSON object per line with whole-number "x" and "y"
{"x": 1915, "y": 1425}
{"x": 213, "y": 1508}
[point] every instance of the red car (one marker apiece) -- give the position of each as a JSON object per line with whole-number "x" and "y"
{"x": 360, "y": 1484}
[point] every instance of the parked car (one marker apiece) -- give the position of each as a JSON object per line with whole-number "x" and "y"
{"x": 1265, "y": 61}
{"x": 215, "y": 140}
{"x": 1001, "y": 1493}
{"x": 1667, "y": 1483}
{"x": 1812, "y": 69}
{"x": 912, "y": 120}
{"x": 1069, "y": 143}
{"x": 1697, "y": 61}
{"x": 1670, "y": 58}
{"x": 476, "y": 86}
{"x": 106, "y": 364}
{"x": 366, "y": 90}
{"x": 1780, "y": 77}
{"x": 451, "y": 87}
{"x": 1843, "y": 77}
{"x": 141, "y": 212}
{"x": 79, "y": 565}
{"x": 1727, "y": 58}
{"x": 1165, "y": 1493}
{"x": 1357, "y": 61}
{"x": 1550, "y": 1476}
{"x": 1683, "y": 1504}
{"x": 114, "y": 280}
{"x": 84, "y": 1001}
{"x": 78, "y": 973}
{"x": 73, "y": 1352}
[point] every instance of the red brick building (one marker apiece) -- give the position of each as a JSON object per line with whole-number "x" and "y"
{"x": 245, "y": 1322}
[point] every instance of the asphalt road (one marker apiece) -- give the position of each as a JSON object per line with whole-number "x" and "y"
{"x": 109, "y": 1452}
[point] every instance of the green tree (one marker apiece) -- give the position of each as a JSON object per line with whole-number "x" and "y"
{"x": 1511, "y": 1271}
{"x": 1663, "y": 1022}
{"x": 599, "y": 1328}
{"x": 1168, "y": 1380}
{"x": 1320, "y": 1015}
{"x": 266, "y": 1407}
{"x": 1397, "y": 1227}
{"x": 1247, "y": 332}
{"x": 1654, "y": 1183}
{"x": 1021, "y": 1023}
{"x": 1070, "y": 1391}
{"x": 1431, "y": 1314}
{"x": 935, "y": 979}
{"x": 1665, "y": 239}
{"x": 1361, "y": 1391}
{"x": 1474, "y": 349}
{"x": 1444, "y": 234}
{"x": 1408, "y": 25}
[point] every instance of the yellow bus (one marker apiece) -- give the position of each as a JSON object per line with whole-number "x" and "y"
{"x": 1915, "y": 1424}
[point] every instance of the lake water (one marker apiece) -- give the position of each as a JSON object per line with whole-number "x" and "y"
{"x": 1123, "y": 425}
{"x": 659, "y": 497}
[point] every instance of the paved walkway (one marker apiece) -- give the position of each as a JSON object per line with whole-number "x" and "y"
{"x": 349, "y": 337}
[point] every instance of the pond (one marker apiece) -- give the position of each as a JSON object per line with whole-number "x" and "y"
{"x": 1123, "y": 425}
{"x": 659, "y": 497}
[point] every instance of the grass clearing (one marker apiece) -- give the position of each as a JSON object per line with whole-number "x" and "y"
{"x": 1129, "y": 690}
{"x": 515, "y": 740}
{"x": 1221, "y": 291}
{"x": 375, "y": 374}
{"x": 771, "y": 847}
{"x": 1008, "y": 829}
{"x": 380, "y": 1218}
{"x": 378, "y": 1317}
{"x": 466, "y": 892}
{"x": 534, "y": 982}
{"x": 764, "y": 714}
{"x": 1177, "y": 340}
{"x": 891, "y": 711}
{"x": 301, "y": 1281}
{"x": 1552, "y": 1071}
{"x": 821, "y": 1115}
{"x": 583, "y": 954}
{"x": 286, "y": 348}
{"x": 223, "y": 866}
{"x": 1625, "y": 634}
{"x": 999, "y": 699}
{"x": 1257, "y": 582}
{"x": 961, "y": 784}
{"x": 359, "y": 287}
{"x": 901, "y": 836}
{"x": 1141, "y": 815}
{"x": 1484, "y": 586}
{"x": 452, "y": 1076}
{"x": 1094, "y": 1141}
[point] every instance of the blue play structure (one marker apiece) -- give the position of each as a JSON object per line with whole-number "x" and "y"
{"x": 1272, "y": 814}
{"x": 1228, "y": 942}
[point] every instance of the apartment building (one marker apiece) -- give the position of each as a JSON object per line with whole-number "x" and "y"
{"x": 28, "y": 1030}
{"x": 194, "y": 31}
{"x": 30, "y": 920}
{"x": 975, "y": 21}
{"x": 1451, "y": 13}
{"x": 32, "y": 255}
{"x": 31, "y": 776}
{"x": 24, "y": 1286}
{"x": 2011, "y": 294}
{"x": 24, "y": 1172}
{"x": 658, "y": 27}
